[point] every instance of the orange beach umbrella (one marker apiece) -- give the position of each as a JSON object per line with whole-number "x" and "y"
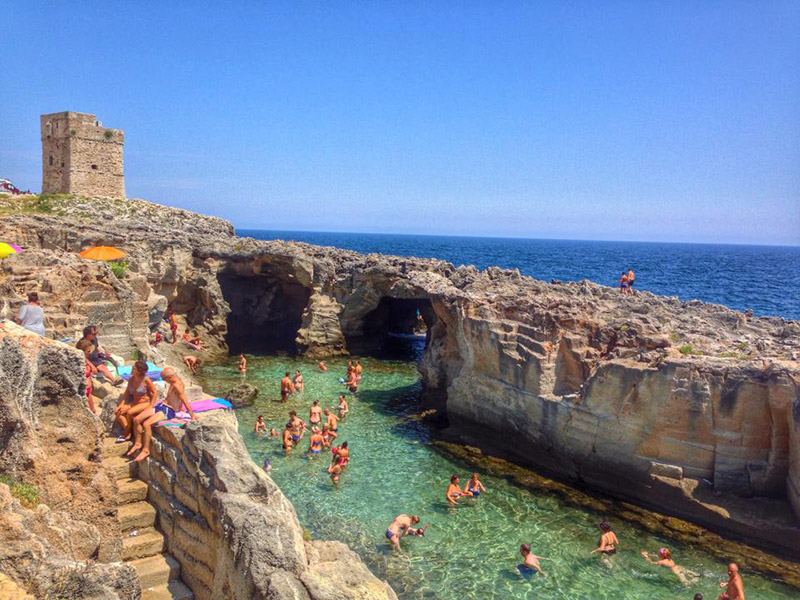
{"x": 102, "y": 253}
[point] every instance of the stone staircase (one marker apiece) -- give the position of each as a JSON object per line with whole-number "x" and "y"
{"x": 159, "y": 573}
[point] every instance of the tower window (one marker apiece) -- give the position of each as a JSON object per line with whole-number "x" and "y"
{"x": 51, "y": 161}
{"x": 94, "y": 167}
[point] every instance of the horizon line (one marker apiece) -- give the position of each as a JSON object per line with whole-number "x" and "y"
{"x": 498, "y": 237}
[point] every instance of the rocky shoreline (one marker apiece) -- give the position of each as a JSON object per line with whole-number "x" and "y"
{"x": 687, "y": 408}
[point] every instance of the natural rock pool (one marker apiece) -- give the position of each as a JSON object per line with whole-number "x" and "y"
{"x": 470, "y": 551}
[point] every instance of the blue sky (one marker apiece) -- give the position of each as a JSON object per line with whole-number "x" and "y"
{"x": 673, "y": 121}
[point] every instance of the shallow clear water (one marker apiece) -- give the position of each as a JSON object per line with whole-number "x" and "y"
{"x": 469, "y": 551}
{"x": 763, "y": 278}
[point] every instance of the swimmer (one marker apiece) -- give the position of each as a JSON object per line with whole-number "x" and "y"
{"x": 332, "y": 421}
{"x": 343, "y": 408}
{"x": 273, "y": 433}
{"x": 454, "y": 491}
{"x": 260, "y": 427}
{"x": 335, "y": 469}
{"x": 287, "y": 387}
{"x": 328, "y": 436}
{"x": 321, "y": 366}
{"x": 401, "y": 527}
{"x": 608, "y": 543}
{"x": 242, "y": 364}
{"x": 267, "y": 466}
{"x": 665, "y": 560}
{"x": 315, "y": 441}
{"x": 734, "y": 587}
{"x": 299, "y": 386}
{"x": 288, "y": 444}
{"x": 315, "y": 413}
{"x": 191, "y": 362}
{"x": 530, "y": 564}
{"x": 474, "y": 487}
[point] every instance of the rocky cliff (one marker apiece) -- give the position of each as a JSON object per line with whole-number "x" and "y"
{"x": 690, "y": 408}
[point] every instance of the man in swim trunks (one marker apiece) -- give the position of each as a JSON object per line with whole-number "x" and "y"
{"x": 328, "y": 436}
{"x": 315, "y": 441}
{"x": 315, "y": 413}
{"x": 332, "y": 421}
{"x": 173, "y": 323}
{"x": 298, "y": 426}
{"x": 287, "y": 387}
{"x": 623, "y": 284}
{"x": 530, "y": 564}
{"x": 631, "y": 279}
{"x": 401, "y": 527}
{"x": 174, "y": 401}
{"x": 358, "y": 369}
{"x": 734, "y": 586}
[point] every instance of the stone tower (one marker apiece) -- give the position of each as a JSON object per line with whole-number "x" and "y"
{"x": 80, "y": 156}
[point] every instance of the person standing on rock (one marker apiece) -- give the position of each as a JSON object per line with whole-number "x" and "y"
{"x": 315, "y": 413}
{"x": 401, "y": 527}
{"x": 173, "y": 403}
{"x": 623, "y": 284}
{"x": 631, "y": 279}
{"x": 98, "y": 356}
{"x": 287, "y": 387}
{"x": 173, "y": 323}
{"x": 734, "y": 586}
{"x": 31, "y": 315}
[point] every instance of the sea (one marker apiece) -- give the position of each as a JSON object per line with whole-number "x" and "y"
{"x": 764, "y": 279}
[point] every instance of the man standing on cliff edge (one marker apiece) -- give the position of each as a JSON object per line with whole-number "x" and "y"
{"x": 734, "y": 585}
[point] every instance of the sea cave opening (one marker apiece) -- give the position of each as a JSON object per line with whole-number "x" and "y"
{"x": 397, "y": 329}
{"x": 266, "y": 310}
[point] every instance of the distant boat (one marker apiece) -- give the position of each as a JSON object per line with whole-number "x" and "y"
{"x": 6, "y": 187}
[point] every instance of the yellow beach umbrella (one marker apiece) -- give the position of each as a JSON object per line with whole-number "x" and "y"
{"x": 102, "y": 253}
{"x": 7, "y": 250}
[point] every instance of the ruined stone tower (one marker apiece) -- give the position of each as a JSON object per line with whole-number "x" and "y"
{"x": 80, "y": 156}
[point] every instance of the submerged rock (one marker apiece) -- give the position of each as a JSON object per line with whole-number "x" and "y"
{"x": 242, "y": 395}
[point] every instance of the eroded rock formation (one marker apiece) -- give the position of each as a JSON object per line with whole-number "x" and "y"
{"x": 690, "y": 408}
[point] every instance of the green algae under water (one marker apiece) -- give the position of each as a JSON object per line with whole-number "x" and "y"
{"x": 470, "y": 551}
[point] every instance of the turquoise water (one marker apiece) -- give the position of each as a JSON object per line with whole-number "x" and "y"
{"x": 470, "y": 551}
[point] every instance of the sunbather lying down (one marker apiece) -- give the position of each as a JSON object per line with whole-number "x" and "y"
{"x": 192, "y": 340}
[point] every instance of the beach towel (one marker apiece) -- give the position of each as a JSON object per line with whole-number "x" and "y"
{"x": 153, "y": 372}
{"x": 207, "y": 404}
{"x": 172, "y": 423}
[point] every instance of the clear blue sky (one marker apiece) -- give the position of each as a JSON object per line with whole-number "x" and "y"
{"x": 674, "y": 121}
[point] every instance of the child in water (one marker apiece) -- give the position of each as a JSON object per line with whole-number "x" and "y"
{"x": 530, "y": 563}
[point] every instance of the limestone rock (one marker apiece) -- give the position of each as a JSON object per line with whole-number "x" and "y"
{"x": 336, "y": 573}
{"x": 242, "y": 395}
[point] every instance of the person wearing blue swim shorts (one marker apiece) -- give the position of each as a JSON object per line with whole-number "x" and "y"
{"x": 530, "y": 564}
{"x": 474, "y": 486}
{"x": 401, "y": 527}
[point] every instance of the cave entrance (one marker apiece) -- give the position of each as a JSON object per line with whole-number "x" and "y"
{"x": 266, "y": 310}
{"x": 398, "y": 329}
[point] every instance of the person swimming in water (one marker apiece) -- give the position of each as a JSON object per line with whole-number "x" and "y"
{"x": 401, "y": 527}
{"x": 683, "y": 574}
{"x": 315, "y": 441}
{"x": 608, "y": 543}
{"x": 530, "y": 562}
{"x": 734, "y": 587}
{"x": 343, "y": 408}
{"x": 454, "y": 492}
{"x": 242, "y": 364}
{"x": 260, "y": 427}
{"x": 321, "y": 366}
{"x": 474, "y": 487}
{"x": 273, "y": 433}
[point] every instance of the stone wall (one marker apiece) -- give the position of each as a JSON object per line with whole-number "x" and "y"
{"x": 233, "y": 531}
{"x": 80, "y": 156}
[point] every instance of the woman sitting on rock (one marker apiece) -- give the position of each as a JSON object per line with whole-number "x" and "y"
{"x": 31, "y": 315}
{"x": 139, "y": 394}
